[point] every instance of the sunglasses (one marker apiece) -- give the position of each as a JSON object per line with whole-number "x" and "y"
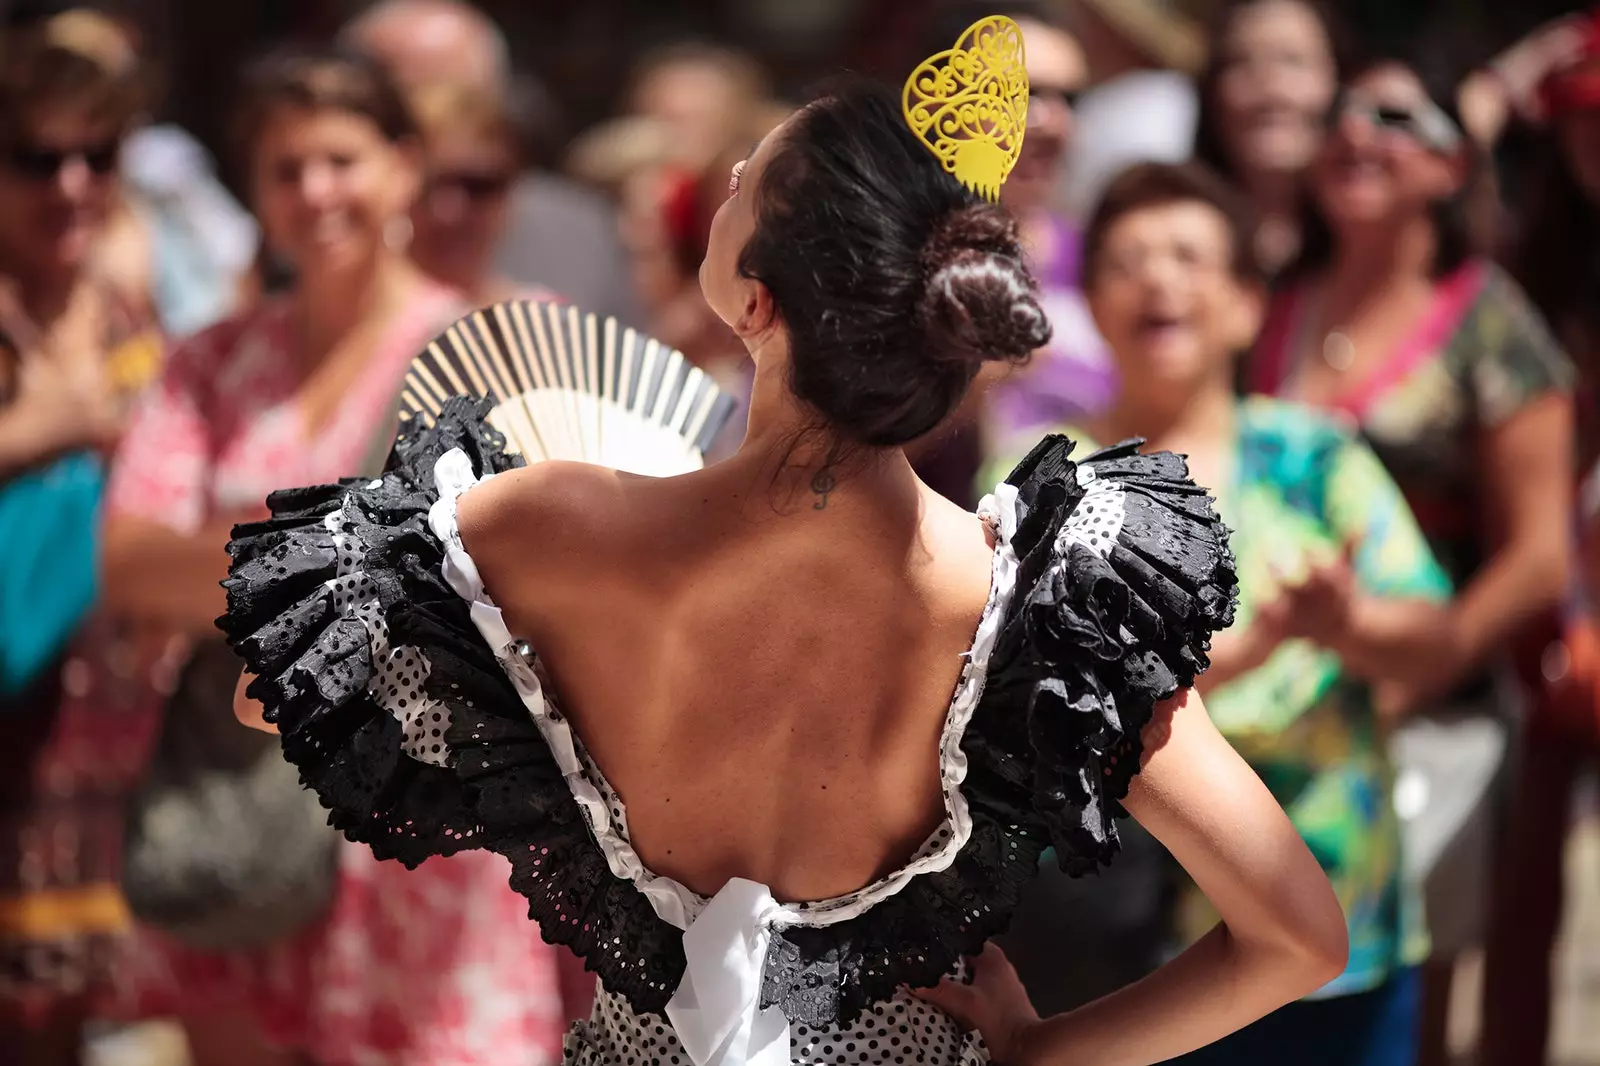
{"x": 1067, "y": 98}
{"x": 478, "y": 187}
{"x": 1425, "y": 123}
{"x": 46, "y": 164}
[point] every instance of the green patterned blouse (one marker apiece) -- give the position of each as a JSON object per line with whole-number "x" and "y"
{"x": 1303, "y": 488}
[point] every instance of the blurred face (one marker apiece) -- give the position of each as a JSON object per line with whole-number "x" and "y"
{"x": 738, "y": 301}
{"x": 328, "y": 185}
{"x": 1579, "y": 134}
{"x": 698, "y": 103}
{"x": 1274, "y": 87}
{"x": 1165, "y": 298}
{"x": 1388, "y": 154}
{"x": 461, "y": 214}
{"x": 56, "y": 186}
{"x": 1057, "y": 72}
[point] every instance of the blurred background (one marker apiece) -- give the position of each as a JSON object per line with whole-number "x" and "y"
{"x": 226, "y": 226}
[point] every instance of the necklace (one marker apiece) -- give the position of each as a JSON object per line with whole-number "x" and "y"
{"x": 1338, "y": 351}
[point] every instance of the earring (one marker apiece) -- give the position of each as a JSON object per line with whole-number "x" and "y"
{"x": 397, "y": 233}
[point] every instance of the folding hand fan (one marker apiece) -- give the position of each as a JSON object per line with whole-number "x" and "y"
{"x": 568, "y": 385}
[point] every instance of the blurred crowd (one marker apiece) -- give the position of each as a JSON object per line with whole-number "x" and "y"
{"x": 1360, "y": 294}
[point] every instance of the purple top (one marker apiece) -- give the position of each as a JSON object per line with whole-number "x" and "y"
{"x": 1072, "y": 379}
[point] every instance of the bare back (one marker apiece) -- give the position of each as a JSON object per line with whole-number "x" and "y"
{"x": 764, "y": 687}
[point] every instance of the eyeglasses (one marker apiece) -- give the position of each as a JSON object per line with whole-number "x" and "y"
{"x": 1067, "y": 98}
{"x": 478, "y": 187}
{"x": 37, "y": 163}
{"x": 1425, "y": 123}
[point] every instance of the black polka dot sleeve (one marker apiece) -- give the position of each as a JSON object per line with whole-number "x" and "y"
{"x": 1123, "y": 576}
{"x": 328, "y": 603}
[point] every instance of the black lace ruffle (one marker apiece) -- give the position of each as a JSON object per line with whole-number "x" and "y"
{"x": 1087, "y": 649}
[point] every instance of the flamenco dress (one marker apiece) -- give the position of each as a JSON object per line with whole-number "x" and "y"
{"x": 427, "y": 728}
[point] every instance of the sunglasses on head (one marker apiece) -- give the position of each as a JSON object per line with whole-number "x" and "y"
{"x": 476, "y": 186}
{"x": 1425, "y": 123}
{"x": 45, "y": 164}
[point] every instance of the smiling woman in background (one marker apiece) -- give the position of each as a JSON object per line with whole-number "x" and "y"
{"x": 1393, "y": 321}
{"x": 1273, "y": 72}
{"x": 1337, "y": 591}
{"x": 432, "y": 965}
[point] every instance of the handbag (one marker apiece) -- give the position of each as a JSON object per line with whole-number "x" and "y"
{"x": 224, "y": 851}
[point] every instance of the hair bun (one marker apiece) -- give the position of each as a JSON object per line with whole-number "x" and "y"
{"x": 980, "y": 302}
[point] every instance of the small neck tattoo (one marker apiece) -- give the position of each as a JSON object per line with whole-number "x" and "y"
{"x": 823, "y": 483}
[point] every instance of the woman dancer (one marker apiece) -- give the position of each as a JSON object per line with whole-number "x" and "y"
{"x": 436, "y": 966}
{"x": 795, "y": 818}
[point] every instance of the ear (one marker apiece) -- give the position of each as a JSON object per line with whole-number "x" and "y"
{"x": 759, "y": 313}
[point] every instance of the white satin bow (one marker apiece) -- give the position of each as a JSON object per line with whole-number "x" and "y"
{"x": 716, "y": 1010}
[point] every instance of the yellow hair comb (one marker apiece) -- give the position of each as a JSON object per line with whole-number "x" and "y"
{"x": 969, "y": 104}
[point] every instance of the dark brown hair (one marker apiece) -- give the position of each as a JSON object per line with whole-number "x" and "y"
{"x": 1148, "y": 185}
{"x": 895, "y": 283}
{"x": 77, "y": 58}
{"x": 325, "y": 79}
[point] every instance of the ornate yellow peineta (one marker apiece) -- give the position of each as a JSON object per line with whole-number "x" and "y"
{"x": 970, "y": 104}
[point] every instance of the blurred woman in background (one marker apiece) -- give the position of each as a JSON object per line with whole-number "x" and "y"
{"x": 76, "y": 349}
{"x": 1392, "y": 320}
{"x": 470, "y": 158}
{"x": 1273, "y": 71}
{"x": 1337, "y": 591}
{"x": 432, "y": 965}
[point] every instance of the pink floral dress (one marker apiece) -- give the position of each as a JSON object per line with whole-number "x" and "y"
{"x": 437, "y": 966}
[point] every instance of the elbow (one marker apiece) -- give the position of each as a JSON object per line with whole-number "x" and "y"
{"x": 1314, "y": 945}
{"x": 1324, "y": 952}
{"x": 1305, "y": 944}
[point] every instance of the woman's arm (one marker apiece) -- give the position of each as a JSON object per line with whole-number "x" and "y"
{"x": 247, "y": 710}
{"x": 1527, "y": 498}
{"x": 1528, "y": 479}
{"x": 1282, "y": 934}
{"x": 153, "y": 573}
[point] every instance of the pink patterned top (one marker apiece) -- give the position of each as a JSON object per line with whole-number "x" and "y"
{"x": 409, "y": 968}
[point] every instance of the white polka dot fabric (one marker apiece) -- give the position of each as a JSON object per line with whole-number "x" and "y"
{"x": 398, "y": 673}
{"x": 1097, "y": 519}
{"x": 903, "y": 1030}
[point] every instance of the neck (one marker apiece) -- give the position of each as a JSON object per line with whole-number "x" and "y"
{"x": 1375, "y": 256}
{"x": 784, "y": 447}
{"x": 1180, "y": 420}
{"x": 330, "y": 306}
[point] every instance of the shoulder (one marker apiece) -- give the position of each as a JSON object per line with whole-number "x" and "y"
{"x": 540, "y": 521}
